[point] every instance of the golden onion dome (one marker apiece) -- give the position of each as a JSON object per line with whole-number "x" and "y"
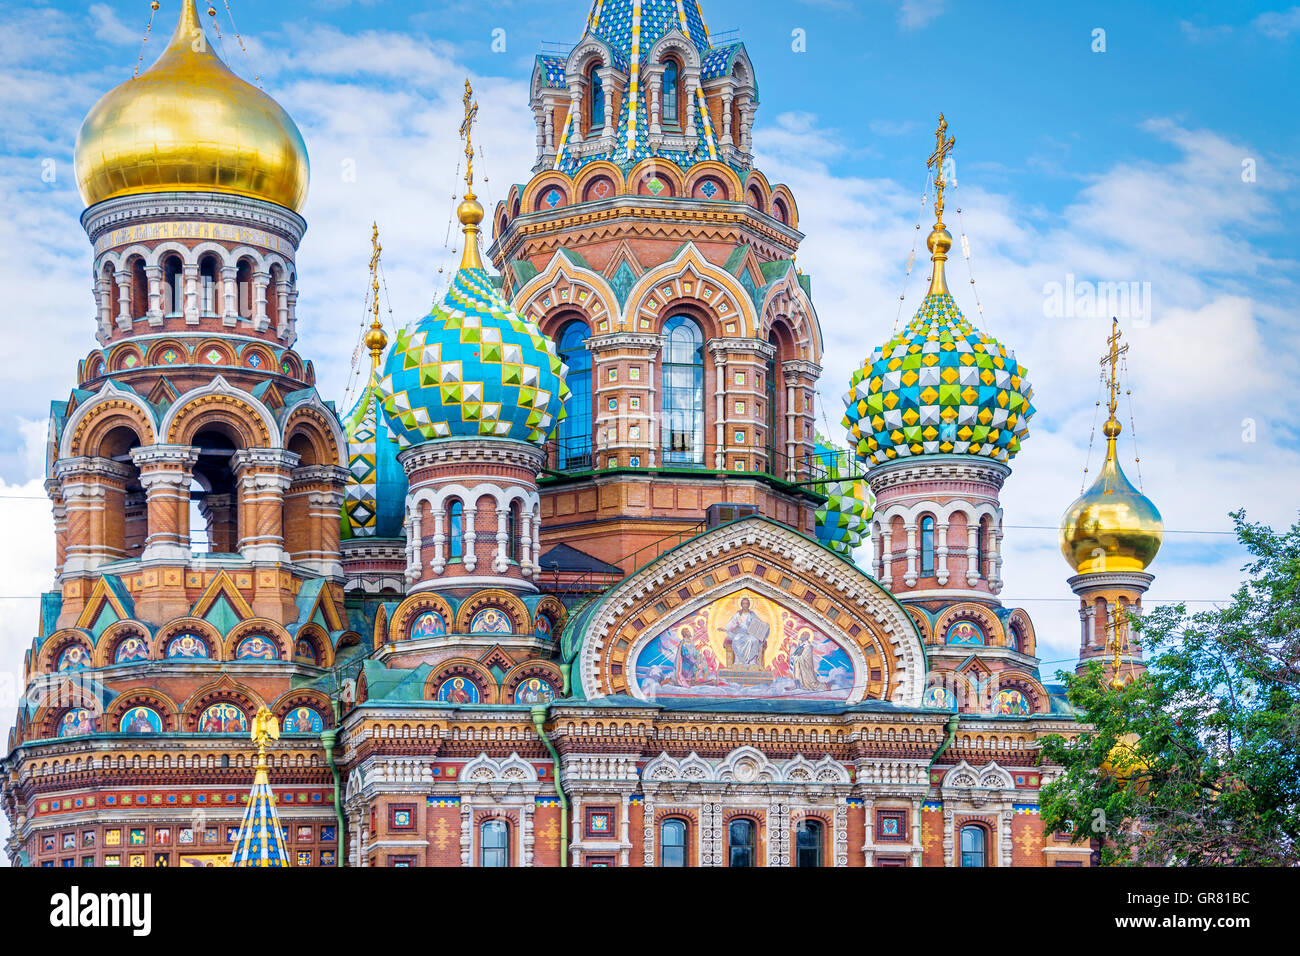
{"x": 188, "y": 124}
{"x": 1112, "y": 526}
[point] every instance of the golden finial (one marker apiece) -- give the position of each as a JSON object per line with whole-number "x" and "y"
{"x": 1112, "y": 428}
{"x": 376, "y": 339}
{"x": 940, "y": 240}
{"x": 470, "y": 212}
{"x": 266, "y": 728}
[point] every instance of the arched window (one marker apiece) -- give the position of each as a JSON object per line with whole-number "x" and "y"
{"x": 209, "y": 270}
{"x": 173, "y": 286}
{"x": 808, "y": 843}
{"x": 596, "y": 121}
{"x": 927, "y": 545}
{"x": 244, "y": 286}
{"x": 494, "y": 843}
{"x": 671, "y": 114}
{"x": 456, "y": 529}
{"x": 973, "y": 846}
{"x": 682, "y": 393}
{"x": 575, "y": 430}
{"x": 740, "y": 842}
{"x": 139, "y": 289}
{"x": 769, "y": 373}
{"x": 513, "y": 537}
{"x": 981, "y": 567}
{"x": 672, "y": 843}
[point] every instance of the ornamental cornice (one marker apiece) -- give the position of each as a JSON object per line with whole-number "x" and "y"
{"x": 906, "y": 471}
{"x": 82, "y": 468}
{"x": 625, "y": 340}
{"x": 1137, "y": 580}
{"x": 238, "y": 210}
{"x": 458, "y": 451}
{"x": 722, "y": 347}
{"x": 178, "y": 456}
{"x": 802, "y": 367}
{"x": 320, "y": 474}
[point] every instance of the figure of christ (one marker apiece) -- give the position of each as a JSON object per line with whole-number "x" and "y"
{"x": 746, "y": 640}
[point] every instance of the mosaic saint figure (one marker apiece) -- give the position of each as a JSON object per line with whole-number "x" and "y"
{"x": 803, "y": 663}
{"x": 139, "y": 722}
{"x": 746, "y": 639}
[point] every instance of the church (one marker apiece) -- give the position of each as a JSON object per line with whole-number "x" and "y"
{"x": 575, "y": 580}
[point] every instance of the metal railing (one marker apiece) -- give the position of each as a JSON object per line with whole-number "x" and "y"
{"x": 577, "y": 456}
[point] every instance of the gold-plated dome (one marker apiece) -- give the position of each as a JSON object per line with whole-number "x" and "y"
{"x": 189, "y": 124}
{"x": 1112, "y": 526}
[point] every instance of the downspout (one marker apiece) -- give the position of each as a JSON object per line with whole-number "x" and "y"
{"x": 539, "y": 723}
{"x": 947, "y": 742}
{"x": 327, "y": 739}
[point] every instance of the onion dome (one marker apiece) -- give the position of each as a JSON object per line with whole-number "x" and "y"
{"x": 374, "y": 504}
{"x": 941, "y": 387}
{"x": 473, "y": 367}
{"x": 843, "y": 521}
{"x": 1112, "y": 526}
{"x": 188, "y": 124}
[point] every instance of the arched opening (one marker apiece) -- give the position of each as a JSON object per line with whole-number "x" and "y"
{"x": 456, "y": 529}
{"x": 671, "y": 94}
{"x": 244, "y": 285}
{"x": 809, "y": 843}
{"x": 982, "y": 546}
{"x": 974, "y": 846}
{"x": 575, "y": 431}
{"x": 682, "y": 392}
{"x": 672, "y": 843}
{"x": 494, "y": 843}
{"x": 927, "y": 546}
{"x": 128, "y": 539}
{"x": 302, "y": 446}
{"x": 173, "y": 285}
{"x": 742, "y": 839}
{"x": 209, "y": 283}
{"x": 214, "y": 495}
{"x": 274, "y": 286}
{"x": 514, "y": 538}
{"x": 596, "y": 102}
{"x": 139, "y": 289}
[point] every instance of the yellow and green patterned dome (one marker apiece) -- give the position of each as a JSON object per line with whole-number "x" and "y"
{"x": 941, "y": 387}
{"x": 473, "y": 367}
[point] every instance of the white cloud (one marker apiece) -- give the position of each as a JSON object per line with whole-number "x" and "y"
{"x": 914, "y": 14}
{"x": 1278, "y": 24}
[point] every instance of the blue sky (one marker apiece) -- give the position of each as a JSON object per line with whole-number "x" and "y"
{"x": 1115, "y": 166}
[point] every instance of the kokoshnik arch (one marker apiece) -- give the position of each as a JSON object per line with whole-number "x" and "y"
{"x": 573, "y": 581}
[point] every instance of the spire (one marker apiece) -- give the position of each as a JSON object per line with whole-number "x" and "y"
{"x": 940, "y": 240}
{"x": 1112, "y": 428}
{"x": 376, "y": 339}
{"x": 260, "y": 841}
{"x": 470, "y": 212}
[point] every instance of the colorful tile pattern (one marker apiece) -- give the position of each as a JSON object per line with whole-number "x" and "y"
{"x": 939, "y": 387}
{"x": 473, "y": 368}
{"x": 375, "y": 500}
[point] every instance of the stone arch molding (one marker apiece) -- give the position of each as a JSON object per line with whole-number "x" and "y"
{"x": 219, "y": 392}
{"x": 714, "y": 288}
{"x": 991, "y": 776}
{"x": 870, "y": 605}
{"x": 106, "y": 401}
{"x": 486, "y": 770}
{"x": 601, "y": 302}
{"x": 744, "y": 765}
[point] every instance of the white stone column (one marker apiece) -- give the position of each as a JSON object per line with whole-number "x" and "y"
{"x": 918, "y": 847}
{"x": 502, "y": 562}
{"x": 995, "y": 560}
{"x": 727, "y": 98}
{"x": 656, "y": 80}
{"x": 124, "y": 302}
{"x": 155, "y": 314}
{"x": 526, "y": 540}
{"x": 692, "y": 81}
{"x": 972, "y": 554}
{"x": 261, "y": 321}
{"x": 941, "y": 552}
{"x": 909, "y": 576}
{"x": 439, "y": 540}
{"x": 887, "y": 556}
{"x": 575, "y": 110}
{"x": 190, "y": 277}
{"x": 282, "y": 310}
{"x": 469, "y": 535}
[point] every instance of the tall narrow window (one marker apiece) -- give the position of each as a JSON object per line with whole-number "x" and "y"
{"x": 927, "y": 545}
{"x": 494, "y": 843}
{"x": 770, "y": 376}
{"x": 973, "y": 846}
{"x": 682, "y": 393}
{"x": 575, "y": 430}
{"x": 740, "y": 843}
{"x": 671, "y": 114}
{"x": 672, "y": 843}
{"x": 173, "y": 286}
{"x": 808, "y": 843}
{"x": 981, "y": 559}
{"x": 208, "y": 272}
{"x": 456, "y": 530}
{"x": 512, "y": 534}
{"x": 597, "y": 121}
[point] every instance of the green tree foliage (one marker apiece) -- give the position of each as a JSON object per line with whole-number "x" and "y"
{"x": 1196, "y": 762}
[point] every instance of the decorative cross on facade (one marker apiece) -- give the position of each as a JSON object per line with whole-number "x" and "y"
{"x": 466, "y": 130}
{"x": 942, "y": 148}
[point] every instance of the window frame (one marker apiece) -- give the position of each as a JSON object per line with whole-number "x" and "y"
{"x": 807, "y": 825}
{"x": 983, "y": 851}
{"x": 685, "y": 845}
{"x": 692, "y": 452}
{"x": 927, "y": 545}
{"x": 455, "y": 530}
{"x": 751, "y": 848}
{"x": 497, "y": 825}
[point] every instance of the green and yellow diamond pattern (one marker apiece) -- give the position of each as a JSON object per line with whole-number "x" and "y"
{"x": 473, "y": 368}
{"x": 941, "y": 387}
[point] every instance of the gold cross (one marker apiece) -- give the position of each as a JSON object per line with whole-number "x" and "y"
{"x": 466, "y": 130}
{"x": 1111, "y": 358}
{"x": 942, "y": 148}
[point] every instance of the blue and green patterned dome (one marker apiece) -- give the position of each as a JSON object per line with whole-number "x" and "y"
{"x": 940, "y": 387}
{"x": 473, "y": 368}
{"x": 843, "y": 522}
{"x": 374, "y": 505}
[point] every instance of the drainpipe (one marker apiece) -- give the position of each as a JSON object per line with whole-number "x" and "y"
{"x": 565, "y": 671}
{"x": 947, "y": 742}
{"x": 539, "y": 722}
{"x": 327, "y": 740}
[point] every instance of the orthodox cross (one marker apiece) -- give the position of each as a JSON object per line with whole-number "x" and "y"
{"x": 466, "y": 130}
{"x": 1111, "y": 358}
{"x": 375, "y": 339}
{"x": 942, "y": 148}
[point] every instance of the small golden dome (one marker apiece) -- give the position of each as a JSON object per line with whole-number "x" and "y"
{"x": 188, "y": 124}
{"x": 1112, "y": 526}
